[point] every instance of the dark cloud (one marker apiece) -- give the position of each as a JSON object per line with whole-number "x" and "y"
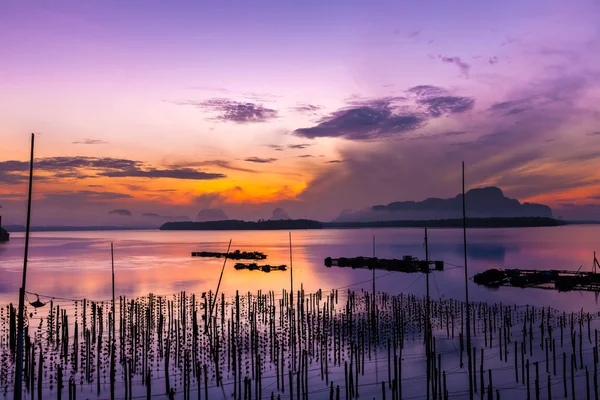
{"x": 462, "y": 66}
{"x": 153, "y": 173}
{"x": 299, "y": 146}
{"x": 12, "y": 172}
{"x": 307, "y": 109}
{"x": 259, "y": 160}
{"x": 511, "y": 107}
{"x": 493, "y": 60}
{"x": 334, "y": 161}
{"x": 427, "y": 91}
{"x": 212, "y": 163}
{"x": 91, "y": 141}
{"x": 121, "y": 212}
{"x": 275, "y": 147}
{"x": 374, "y": 121}
{"x": 371, "y": 119}
{"x": 306, "y": 156}
{"x": 95, "y": 186}
{"x": 596, "y": 133}
{"x": 81, "y": 197}
{"x": 235, "y": 111}
{"x": 438, "y": 106}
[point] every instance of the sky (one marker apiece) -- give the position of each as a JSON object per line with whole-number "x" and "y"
{"x": 166, "y": 108}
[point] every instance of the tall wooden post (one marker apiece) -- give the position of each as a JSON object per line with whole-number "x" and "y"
{"x": 468, "y": 311}
{"x": 21, "y": 321}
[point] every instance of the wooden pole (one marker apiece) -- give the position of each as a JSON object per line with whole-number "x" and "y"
{"x": 467, "y": 285}
{"x": 21, "y": 319}
{"x": 212, "y": 305}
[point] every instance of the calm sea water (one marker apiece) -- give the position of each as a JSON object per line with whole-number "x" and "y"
{"x": 77, "y": 264}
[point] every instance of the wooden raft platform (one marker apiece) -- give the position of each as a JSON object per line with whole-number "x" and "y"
{"x": 263, "y": 268}
{"x": 235, "y": 255}
{"x": 406, "y": 264}
{"x": 542, "y": 279}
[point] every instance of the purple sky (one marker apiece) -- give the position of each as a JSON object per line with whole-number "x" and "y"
{"x": 314, "y": 106}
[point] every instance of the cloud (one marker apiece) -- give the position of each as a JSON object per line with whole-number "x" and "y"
{"x": 306, "y": 156}
{"x": 13, "y": 172}
{"x": 462, "y": 66}
{"x": 493, "y": 60}
{"x": 235, "y": 111}
{"x": 121, "y": 212}
{"x": 596, "y": 133}
{"x": 374, "y": 120}
{"x": 427, "y": 91}
{"x": 212, "y": 163}
{"x": 153, "y": 173}
{"x": 307, "y": 109}
{"x": 275, "y": 147}
{"x": 298, "y": 146}
{"x": 334, "y": 161}
{"x": 81, "y": 197}
{"x": 511, "y": 107}
{"x": 91, "y": 141}
{"x": 438, "y": 106}
{"x": 259, "y": 160}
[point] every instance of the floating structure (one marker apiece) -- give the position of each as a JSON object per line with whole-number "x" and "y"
{"x": 235, "y": 255}
{"x": 4, "y": 235}
{"x": 543, "y": 279}
{"x": 406, "y": 264}
{"x": 263, "y": 268}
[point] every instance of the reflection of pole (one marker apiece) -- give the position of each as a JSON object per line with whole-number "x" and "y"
{"x": 114, "y": 322}
{"x": 292, "y": 307}
{"x": 427, "y": 322}
{"x": 21, "y": 322}
{"x": 374, "y": 324}
{"x": 467, "y": 286}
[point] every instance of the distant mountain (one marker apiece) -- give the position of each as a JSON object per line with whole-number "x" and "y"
{"x": 121, "y": 213}
{"x": 211, "y": 214}
{"x": 235, "y": 225}
{"x": 279, "y": 214}
{"x": 488, "y": 202}
{"x": 166, "y": 217}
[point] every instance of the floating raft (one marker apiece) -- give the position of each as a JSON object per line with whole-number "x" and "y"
{"x": 236, "y": 255}
{"x": 406, "y": 264}
{"x": 562, "y": 281}
{"x": 263, "y": 268}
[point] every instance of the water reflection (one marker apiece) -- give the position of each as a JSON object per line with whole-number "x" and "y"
{"x": 77, "y": 264}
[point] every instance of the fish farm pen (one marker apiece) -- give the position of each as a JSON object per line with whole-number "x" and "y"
{"x": 263, "y": 268}
{"x": 234, "y": 255}
{"x": 406, "y": 264}
{"x": 339, "y": 344}
{"x": 552, "y": 279}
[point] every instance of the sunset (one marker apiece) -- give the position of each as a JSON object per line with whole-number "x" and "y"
{"x": 299, "y": 200}
{"x": 168, "y": 110}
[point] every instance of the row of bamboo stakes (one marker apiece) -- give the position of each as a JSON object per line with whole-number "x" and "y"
{"x": 259, "y": 346}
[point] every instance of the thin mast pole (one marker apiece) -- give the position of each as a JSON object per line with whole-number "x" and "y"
{"x": 21, "y": 322}
{"x": 467, "y": 285}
